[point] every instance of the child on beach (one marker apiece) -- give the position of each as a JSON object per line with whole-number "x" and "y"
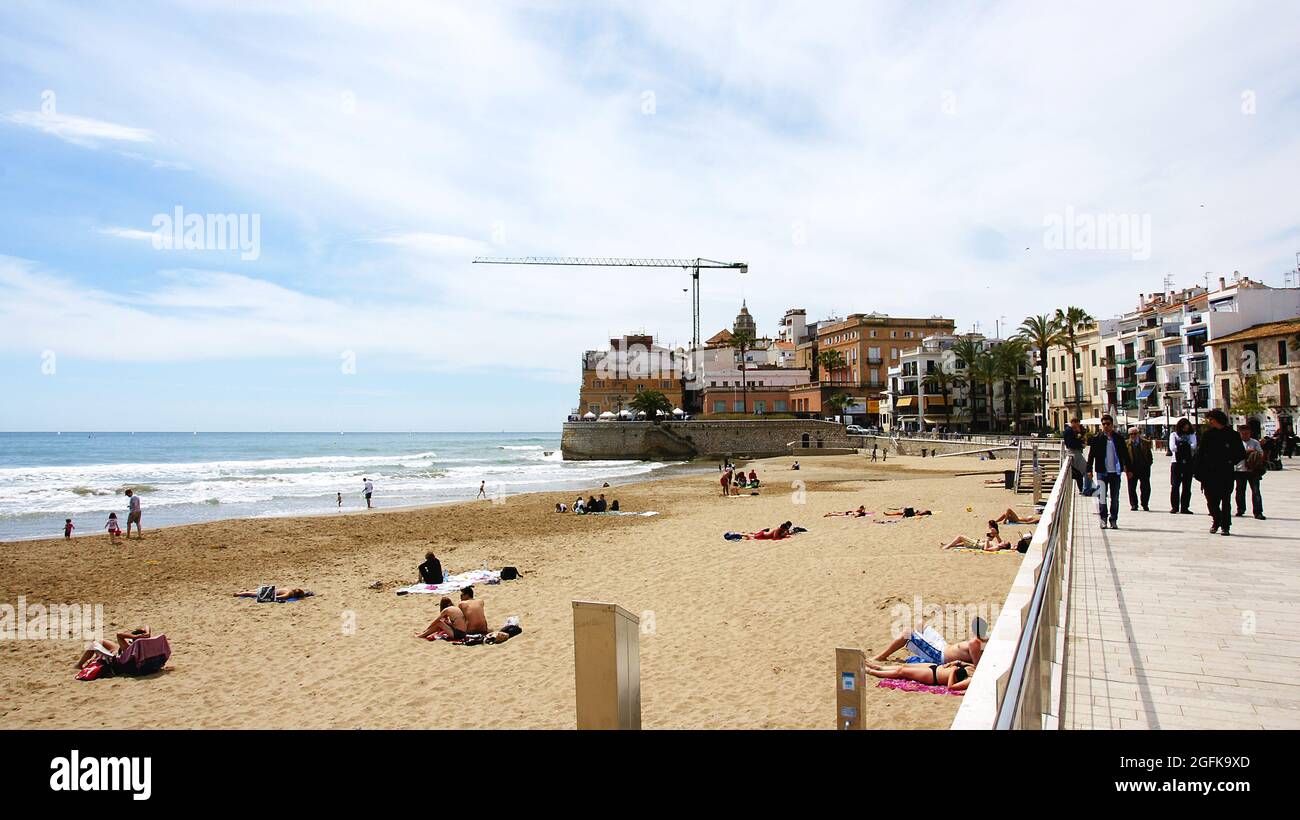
{"x": 114, "y": 529}
{"x": 340, "y": 501}
{"x": 67, "y": 528}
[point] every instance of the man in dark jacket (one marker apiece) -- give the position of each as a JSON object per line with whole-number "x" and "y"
{"x": 1216, "y": 458}
{"x": 1109, "y": 458}
{"x": 1073, "y": 438}
{"x": 1139, "y": 449}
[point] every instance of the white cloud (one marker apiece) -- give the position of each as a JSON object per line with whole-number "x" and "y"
{"x": 78, "y": 130}
{"x": 129, "y": 233}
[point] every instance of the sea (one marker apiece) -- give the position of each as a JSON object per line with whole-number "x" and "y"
{"x": 185, "y": 478}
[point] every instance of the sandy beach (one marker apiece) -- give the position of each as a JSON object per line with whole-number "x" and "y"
{"x": 743, "y": 632}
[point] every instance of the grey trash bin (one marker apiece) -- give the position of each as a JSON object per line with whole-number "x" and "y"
{"x": 1009, "y": 479}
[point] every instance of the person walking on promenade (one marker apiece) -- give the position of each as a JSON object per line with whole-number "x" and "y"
{"x": 1182, "y": 451}
{"x": 1109, "y": 458}
{"x": 1074, "y": 437}
{"x": 1216, "y": 459}
{"x": 1248, "y": 472}
{"x": 1139, "y": 481}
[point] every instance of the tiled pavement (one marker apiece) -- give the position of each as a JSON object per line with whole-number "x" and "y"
{"x": 1174, "y": 628}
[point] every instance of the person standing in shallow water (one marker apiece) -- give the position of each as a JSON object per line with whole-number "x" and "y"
{"x": 133, "y": 515}
{"x": 368, "y": 488}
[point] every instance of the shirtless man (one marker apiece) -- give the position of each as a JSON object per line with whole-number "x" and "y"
{"x": 928, "y": 643}
{"x": 475, "y": 620}
{"x": 450, "y": 622}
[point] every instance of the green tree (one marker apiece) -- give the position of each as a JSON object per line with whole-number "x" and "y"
{"x": 831, "y": 360}
{"x": 943, "y": 383}
{"x": 1245, "y": 399}
{"x": 839, "y": 402}
{"x": 1008, "y": 358}
{"x": 968, "y": 351}
{"x": 985, "y": 371}
{"x": 742, "y": 342}
{"x": 1041, "y": 332}
{"x": 651, "y": 402}
{"x": 1072, "y": 320}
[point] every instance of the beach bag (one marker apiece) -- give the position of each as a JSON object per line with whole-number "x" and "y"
{"x": 92, "y": 670}
{"x": 266, "y": 594}
{"x": 509, "y": 573}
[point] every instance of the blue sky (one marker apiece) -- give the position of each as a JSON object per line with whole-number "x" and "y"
{"x": 860, "y": 156}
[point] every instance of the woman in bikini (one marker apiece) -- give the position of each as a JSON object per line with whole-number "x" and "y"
{"x": 955, "y": 675}
{"x": 1011, "y": 517}
{"x": 768, "y": 534}
{"x": 991, "y": 542}
{"x": 860, "y": 512}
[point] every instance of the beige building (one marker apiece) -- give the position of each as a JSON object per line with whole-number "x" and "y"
{"x": 1265, "y": 350}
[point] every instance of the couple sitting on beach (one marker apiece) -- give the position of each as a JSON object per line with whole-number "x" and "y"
{"x": 455, "y": 622}
{"x": 933, "y": 661}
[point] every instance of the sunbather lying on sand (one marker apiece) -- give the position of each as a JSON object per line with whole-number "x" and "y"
{"x": 280, "y": 594}
{"x": 909, "y": 512}
{"x": 450, "y": 622}
{"x": 1012, "y": 517}
{"x": 780, "y": 532}
{"x": 991, "y": 542}
{"x": 111, "y": 648}
{"x": 955, "y": 675}
{"x": 858, "y": 513}
{"x": 929, "y": 643}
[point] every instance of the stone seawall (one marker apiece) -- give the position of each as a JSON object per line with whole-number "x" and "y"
{"x": 681, "y": 440}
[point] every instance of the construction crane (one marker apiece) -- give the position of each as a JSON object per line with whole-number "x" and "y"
{"x": 693, "y": 266}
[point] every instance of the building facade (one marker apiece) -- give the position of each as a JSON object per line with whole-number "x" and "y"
{"x": 1260, "y": 363}
{"x": 611, "y": 378}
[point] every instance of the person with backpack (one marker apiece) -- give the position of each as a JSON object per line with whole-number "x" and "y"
{"x": 1109, "y": 458}
{"x": 1216, "y": 460}
{"x": 1248, "y": 472}
{"x": 1182, "y": 451}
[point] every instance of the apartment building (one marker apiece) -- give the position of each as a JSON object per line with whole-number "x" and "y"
{"x": 610, "y": 378}
{"x": 1268, "y": 352}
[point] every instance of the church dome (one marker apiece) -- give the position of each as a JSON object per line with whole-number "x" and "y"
{"x": 745, "y": 323}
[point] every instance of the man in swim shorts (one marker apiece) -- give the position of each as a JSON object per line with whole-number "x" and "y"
{"x": 931, "y": 645}
{"x": 475, "y": 619}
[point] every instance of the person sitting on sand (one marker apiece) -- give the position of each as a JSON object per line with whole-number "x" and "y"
{"x": 1012, "y": 517}
{"x": 475, "y": 619}
{"x": 579, "y": 506}
{"x": 561, "y": 507}
{"x": 591, "y": 504}
{"x": 110, "y": 649}
{"x": 931, "y": 645}
{"x": 613, "y": 507}
{"x": 601, "y": 504}
{"x": 450, "y": 622}
{"x": 280, "y": 594}
{"x": 991, "y": 542}
{"x": 794, "y": 466}
{"x": 431, "y": 569}
{"x": 955, "y": 675}
{"x": 860, "y": 512}
{"x": 753, "y": 478}
{"x": 909, "y": 512}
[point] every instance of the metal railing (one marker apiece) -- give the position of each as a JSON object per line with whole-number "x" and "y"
{"x": 1028, "y": 700}
{"x": 1017, "y": 684}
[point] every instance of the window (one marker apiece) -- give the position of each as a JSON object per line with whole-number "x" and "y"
{"x": 908, "y": 334}
{"x": 1281, "y": 351}
{"x": 666, "y": 385}
{"x": 719, "y": 407}
{"x": 875, "y": 376}
{"x": 893, "y": 353}
{"x": 1078, "y": 388}
{"x": 778, "y": 406}
{"x": 1095, "y": 389}
{"x": 598, "y": 383}
{"x": 1094, "y": 357}
{"x": 594, "y": 408}
{"x": 760, "y": 407}
{"x": 1223, "y": 358}
{"x": 893, "y": 334}
{"x": 1225, "y": 385}
{"x": 1076, "y": 360}
{"x": 1284, "y": 389}
{"x": 873, "y": 334}
{"x": 738, "y": 405}
{"x": 1053, "y": 389}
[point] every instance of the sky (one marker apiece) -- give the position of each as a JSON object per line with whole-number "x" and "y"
{"x": 914, "y": 159}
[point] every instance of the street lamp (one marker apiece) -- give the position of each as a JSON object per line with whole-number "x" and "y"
{"x": 1196, "y": 402}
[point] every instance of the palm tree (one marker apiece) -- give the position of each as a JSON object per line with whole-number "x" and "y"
{"x": 1041, "y": 332}
{"x": 1008, "y": 358}
{"x": 943, "y": 383}
{"x": 651, "y": 402}
{"x": 742, "y": 341}
{"x": 968, "y": 351}
{"x": 838, "y": 402}
{"x": 831, "y": 360}
{"x": 1071, "y": 321}
{"x": 985, "y": 369}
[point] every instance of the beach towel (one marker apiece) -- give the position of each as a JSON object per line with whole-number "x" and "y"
{"x": 454, "y": 583}
{"x": 913, "y": 686}
{"x": 983, "y": 551}
{"x": 626, "y": 512}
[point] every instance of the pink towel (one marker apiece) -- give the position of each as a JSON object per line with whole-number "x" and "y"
{"x": 913, "y": 686}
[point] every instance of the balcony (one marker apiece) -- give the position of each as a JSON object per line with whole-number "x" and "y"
{"x": 1171, "y": 332}
{"x": 875, "y": 360}
{"x": 1170, "y": 387}
{"x": 1126, "y": 361}
{"x": 1128, "y": 385}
